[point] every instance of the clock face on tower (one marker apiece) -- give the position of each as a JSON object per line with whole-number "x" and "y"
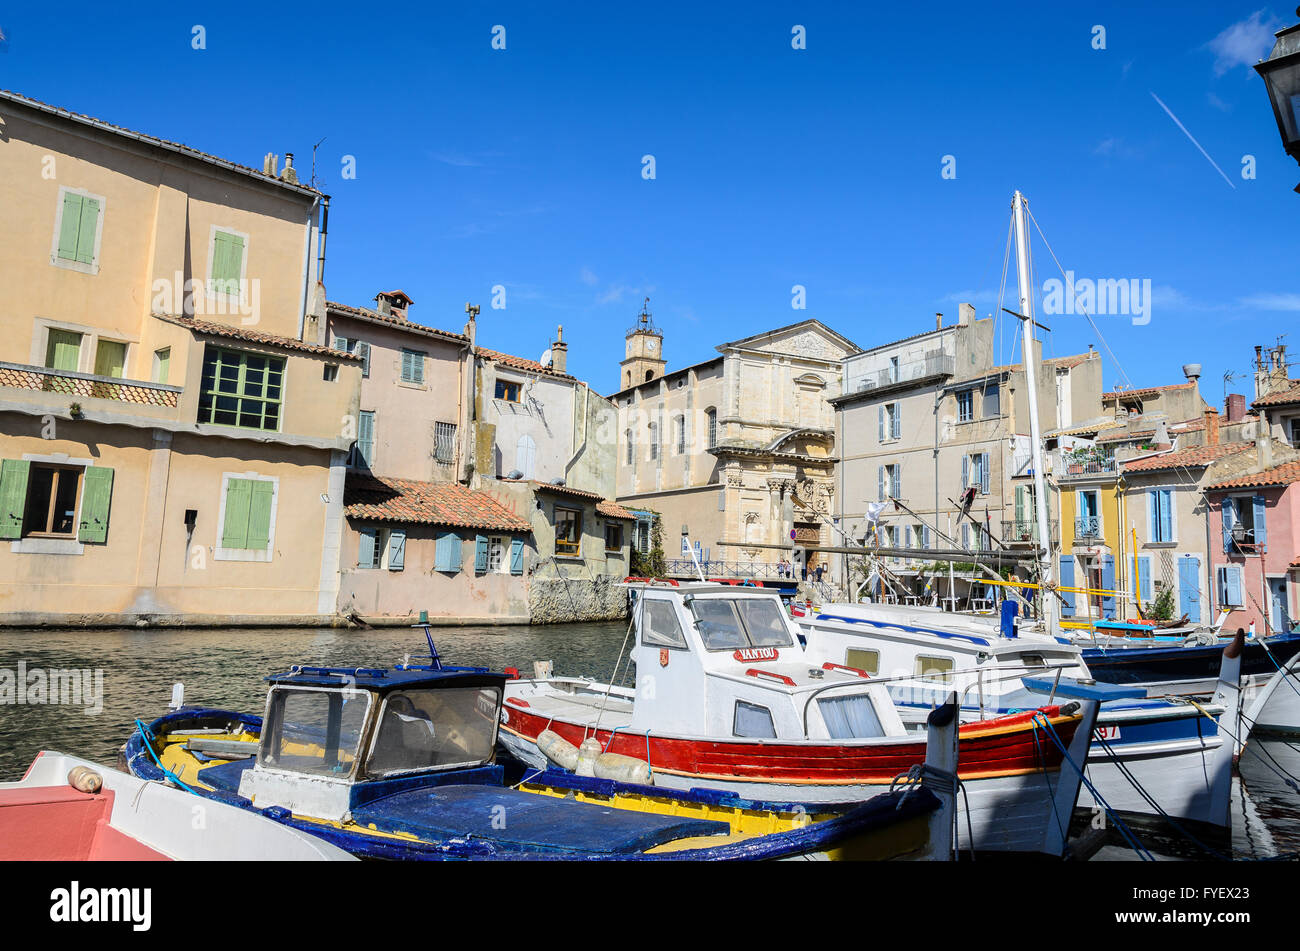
{"x": 651, "y": 345}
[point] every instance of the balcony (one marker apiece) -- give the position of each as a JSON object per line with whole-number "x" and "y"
{"x": 89, "y": 386}
{"x": 1087, "y": 527}
{"x": 935, "y": 364}
{"x": 1083, "y": 464}
{"x": 1025, "y": 532}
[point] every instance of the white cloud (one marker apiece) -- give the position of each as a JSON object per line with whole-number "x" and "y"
{"x": 588, "y": 278}
{"x": 1244, "y": 43}
{"x": 1287, "y": 302}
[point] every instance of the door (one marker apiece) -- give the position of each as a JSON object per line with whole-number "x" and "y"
{"x": 1189, "y": 588}
{"x": 1279, "y": 614}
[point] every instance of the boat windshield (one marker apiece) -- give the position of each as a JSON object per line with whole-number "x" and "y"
{"x": 313, "y": 731}
{"x": 442, "y": 728}
{"x": 729, "y": 623}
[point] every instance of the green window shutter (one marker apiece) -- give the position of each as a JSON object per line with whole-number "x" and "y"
{"x": 86, "y": 232}
{"x": 69, "y": 225}
{"x": 259, "y": 513}
{"x": 517, "y": 556}
{"x": 164, "y": 365}
{"x": 227, "y": 261}
{"x": 96, "y": 499}
{"x": 110, "y": 359}
{"x": 63, "y": 350}
{"x": 13, "y": 496}
{"x": 396, "y": 550}
{"x": 239, "y": 500}
{"x": 481, "y": 554}
{"x": 366, "y": 548}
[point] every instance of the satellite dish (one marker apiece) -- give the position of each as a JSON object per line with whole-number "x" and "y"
{"x": 546, "y": 357}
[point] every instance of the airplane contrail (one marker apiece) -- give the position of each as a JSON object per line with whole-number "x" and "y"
{"x": 1194, "y": 142}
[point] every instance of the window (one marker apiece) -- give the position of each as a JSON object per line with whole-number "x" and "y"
{"x": 631, "y": 447}
{"x": 851, "y": 717}
{"x": 680, "y": 423}
{"x": 54, "y": 501}
{"x": 568, "y": 532}
{"x": 508, "y": 391}
{"x": 659, "y": 624}
{"x": 933, "y": 668}
{"x": 654, "y": 441}
{"x": 248, "y": 514}
{"x": 992, "y": 405}
{"x": 446, "y": 556}
{"x": 890, "y": 421}
{"x": 1230, "y": 586}
{"x": 162, "y": 362}
{"x": 890, "y": 482}
{"x": 867, "y": 661}
{"x": 729, "y": 623}
{"x": 752, "y": 720}
{"x": 443, "y": 728}
{"x": 241, "y": 389}
{"x": 1295, "y": 433}
{"x": 359, "y": 347}
{"x": 330, "y": 373}
{"x": 711, "y": 422}
{"x": 1160, "y": 516}
{"x": 370, "y": 547}
{"x": 496, "y": 553}
{"x": 643, "y": 536}
{"x": 413, "y": 366}
{"x": 1244, "y": 525}
{"x": 893, "y": 369}
{"x": 613, "y": 537}
{"x": 110, "y": 358}
{"x": 77, "y": 231}
{"x": 226, "y": 268}
{"x": 965, "y": 406}
{"x": 314, "y": 731}
{"x": 63, "y": 350}
{"x": 975, "y": 471}
{"x": 444, "y": 445}
{"x": 363, "y": 453}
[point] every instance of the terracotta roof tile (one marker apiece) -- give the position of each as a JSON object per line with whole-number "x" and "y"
{"x": 1192, "y": 456}
{"x": 427, "y": 503}
{"x": 519, "y": 363}
{"x": 1284, "y": 474}
{"x": 156, "y": 141}
{"x": 1290, "y": 394}
{"x": 1148, "y": 391}
{"x": 613, "y": 510}
{"x": 213, "y": 329}
{"x": 393, "y": 320}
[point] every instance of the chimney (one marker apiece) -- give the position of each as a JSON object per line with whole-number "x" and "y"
{"x": 1192, "y": 371}
{"x": 1235, "y": 407}
{"x": 1264, "y": 447}
{"x": 289, "y": 175}
{"x": 1161, "y": 439}
{"x": 271, "y": 162}
{"x": 471, "y": 325}
{"x": 938, "y": 321}
{"x": 559, "y": 351}
{"x": 965, "y": 314}
{"x": 383, "y": 305}
{"x": 1211, "y": 426}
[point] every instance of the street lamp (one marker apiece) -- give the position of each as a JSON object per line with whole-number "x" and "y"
{"x": 1281, "y": 74}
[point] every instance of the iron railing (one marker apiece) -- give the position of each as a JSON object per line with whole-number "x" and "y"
{"x": 1088, "y": 526}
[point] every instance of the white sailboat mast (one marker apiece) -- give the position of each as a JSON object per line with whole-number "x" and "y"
{"x": 1046, "y": 574}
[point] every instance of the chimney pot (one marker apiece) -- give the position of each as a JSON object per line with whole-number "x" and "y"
{"x": 1211, "y": 426}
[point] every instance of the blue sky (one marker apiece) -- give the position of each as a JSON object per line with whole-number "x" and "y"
{"x": 774, "y": 167}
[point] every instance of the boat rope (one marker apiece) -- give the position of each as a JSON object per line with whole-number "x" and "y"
{"x": 1133, "y": 781}
{"x": 146, "y": 736}
{"x": 1141, "y": 850}
{"x": 1265, "y": 757}
{"x": 631, "y": 623}
{"x": 1042, "y": 762}
{"x": 924, "y": 775}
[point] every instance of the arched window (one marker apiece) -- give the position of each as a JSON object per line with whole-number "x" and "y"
{"x": 711, "y": 421}
{"x": 627, "y": 438}
{"x": 649, "y": 375}
{"x": 525, "y": 455}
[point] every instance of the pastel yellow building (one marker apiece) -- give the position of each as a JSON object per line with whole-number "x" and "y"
{"x": 173, "y": 433}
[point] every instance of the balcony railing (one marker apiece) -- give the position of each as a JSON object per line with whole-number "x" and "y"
{"x": 1088, "y": 526}
{"x": 933, "y": 365}
{"x": 1086, "y": 465}
{"x": 1025, "y": 531}
{"x": 68, "y": 383}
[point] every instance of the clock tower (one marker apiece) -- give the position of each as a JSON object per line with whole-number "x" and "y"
{"x": 644, "y": 359}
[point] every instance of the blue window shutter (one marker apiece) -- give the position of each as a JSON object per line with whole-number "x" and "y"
{"x": 880, "y": 429}
{"x": 396, "y": 550}
{"x": 1228, "y": 514}
{"x": 1189, "y": 588}
{"x": 447, "y": 552}
{"x": 1261, "y": 518}
{"x": 366, "y": 548}
{"x": 984, "y": 472}
{"x": 1166, "y": 515}
{"x": 965, "y": 473}
{"x": 898, "y": 420}
{"x": 1108, "y": 582}
{"x": 896, "y": 483}
{"x": 880, "y": 483}
{"x": 517, "y": 556}
{"x": 1153, "y": 515}
{"x": 481, "y": 553}
{"x": 1067, "y": 581}
{"x": 1233, "y": 575}
{"x": 925, "y": 536}
{"x": 1144, "y": 577}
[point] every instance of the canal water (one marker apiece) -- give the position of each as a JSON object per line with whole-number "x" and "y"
{"x": 224, "y": 668}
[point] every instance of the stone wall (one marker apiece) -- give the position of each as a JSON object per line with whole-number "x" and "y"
{"x": 557, "y": 600}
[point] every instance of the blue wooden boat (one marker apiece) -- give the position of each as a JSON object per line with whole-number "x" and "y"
{"x": 400, "y": 763}
{"x": 1165, "y": 665}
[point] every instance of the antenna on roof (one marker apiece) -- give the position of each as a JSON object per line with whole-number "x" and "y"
{"x": 313, "y": 162}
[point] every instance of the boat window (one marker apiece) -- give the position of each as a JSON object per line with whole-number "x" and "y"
{"x": 851, "y": 717}
{"x": 719, "y": 623}
{"x": 659, "y": 625}
{"x": 863, "y": 659}
{"x": 765, "y": 622}
{"x": 441, "y": 728}
{"x": 314, "y": 731}
{"x": 933, "y": 668}
{"x": 1030, "y": 660}
{"x": 753, "y": 720}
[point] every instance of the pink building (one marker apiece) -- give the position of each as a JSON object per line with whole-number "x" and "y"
{"x": 1255, "y": 547}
